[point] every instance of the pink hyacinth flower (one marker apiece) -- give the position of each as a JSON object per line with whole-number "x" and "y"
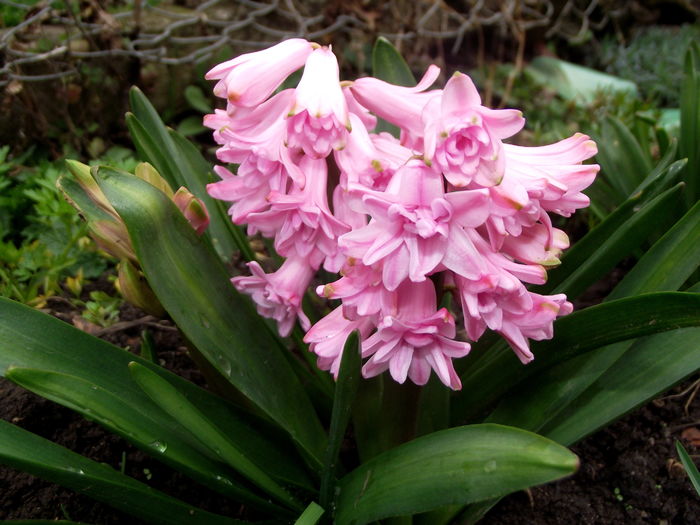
{"x": 554, "y": 174}
{"x": 399, "y": 105}
{"x": 409, "y": 228}
{"x": 327, "y": 338}
{"x": 248, "y": 190}
{"x": 278, "y": 295}
{"x": 412, "y": 338}
{"x": 536, "y": 323}
{"x": 319, "y": 121}
{"x": 464, "y": 138}
{"x": 300, "y": 221}
{"x": 249, "y": 79}
{"x": 360, "y": 288}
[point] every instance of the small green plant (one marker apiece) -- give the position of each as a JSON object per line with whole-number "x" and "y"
{"x": 43, "y": 241}
{"x": 102, "y": 309}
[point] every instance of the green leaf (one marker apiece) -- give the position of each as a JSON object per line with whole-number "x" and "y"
{"x": 190, "y": 126}
{"x": 666, "y": 266}
{"x": 575, "y": 334}
{"x": 197, "y": 100}
{"x": 689, "y": 466}
{"x": 649, "y": 368}
{"x": 181, "y": 164}
{"x": 311, "y": 515}
{"x": 390, "y": 66}
{"x": 623, "y": 162}
{"x": 28, "y": 452}
{"x": 149, "y": 149}
{"x": 592, "y": 244}
{"x": 193, "y": 286}
{"x": 91, "y": 377}
{"x": 455, "y": 466}
{"x": 175, "y": 404}
{"x": 690, "y": 121}
{"x": 225, "y": 236}
{"x": 668, "y": 263}
{"x": 349, "y": 377}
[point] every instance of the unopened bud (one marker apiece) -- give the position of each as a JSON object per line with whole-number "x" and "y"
{"x": 145, "y": 171}
{"x": 84, "y": 177}
{"x": 113, "y": 238}
{"x": 135, "y": 289}
{"x": 193, "y": 209}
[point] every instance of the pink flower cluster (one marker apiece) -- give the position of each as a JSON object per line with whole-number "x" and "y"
{"x": 447, "y": 208}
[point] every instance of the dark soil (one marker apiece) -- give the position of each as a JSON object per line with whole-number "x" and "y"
{"x": 629, "y": 472}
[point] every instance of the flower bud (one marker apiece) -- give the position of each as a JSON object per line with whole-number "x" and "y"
{"x": 193, "y": 209}
{"x": 134, "y": 288}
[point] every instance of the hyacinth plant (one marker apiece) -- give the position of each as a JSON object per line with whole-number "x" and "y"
{"x": 406, "y": 246}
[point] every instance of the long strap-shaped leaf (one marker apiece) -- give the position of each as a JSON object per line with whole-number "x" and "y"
{"x": 174, "y": 402}
{"x": 91, "y": 376}
{"x": 181, "y": 164}
{"x": 649, "y": 368}
{"x": 26, "y": 451}
{"x": 690, "y": 121}
{"x": 577, "y": 334}
{"x": 455, "y": 466}
{"x": 349, "y": 378}
{"x": 193, "y": 286}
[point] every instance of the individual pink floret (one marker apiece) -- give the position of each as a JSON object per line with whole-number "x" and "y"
{"x": 412, "y": 338}
{"x": 318, "y": 120}
{"x": 249, "y": 79}
{"x": 327, "y": 338}
{"x": 399, "y": 105}
{"x": 300, "y": 221}
{"x": 278, "y": 295}
{"x": 464, "y": 138}
{"x": 536, "y": 323}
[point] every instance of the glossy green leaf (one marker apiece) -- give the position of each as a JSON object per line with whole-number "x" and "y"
{"x": 349, "y": 377}
{"x": 181, "y": 164}
{"x": 649, "y": 368}
{"x": 668, "y": 263}
{"x": 225, "y": 236}
{"x": 458, "y": 465}
{"x": 390, "y": 66}
{"x": 28, "y": 452}
{"x": 689, "y": 466}
{"x": 176, "y": 404}
{"x": 574, "y": 335}
{"x": 91, "y": 377}
{"x": 193, "y": 286}
{"x": 690, "y": 121}
{"x": 311, "y": 515}
{"x": 149, "y": 149}
{"x": 621, "y": 242}
{"x": 624, "y": 164}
